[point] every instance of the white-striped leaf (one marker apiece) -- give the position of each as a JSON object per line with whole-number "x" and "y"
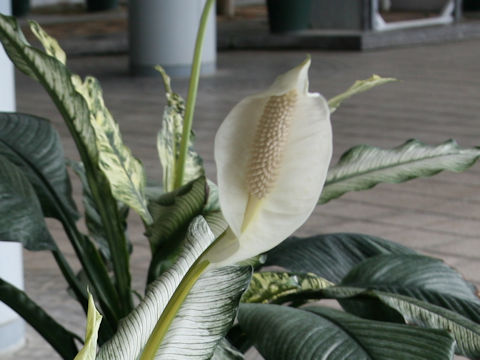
{"x": 363, "y": 166}
{"x": 170, "y": 136}
{"x": 358, "y": 87}
{"x": 203, "y": 319}
{"x": 124, "y": 172}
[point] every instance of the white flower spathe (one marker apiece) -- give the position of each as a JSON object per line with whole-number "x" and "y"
{"x": 272, "y": 154}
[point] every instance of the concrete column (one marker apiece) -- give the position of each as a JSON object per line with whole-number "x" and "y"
{"x": 163, "y": 32}
{"x": 11, "y": 265}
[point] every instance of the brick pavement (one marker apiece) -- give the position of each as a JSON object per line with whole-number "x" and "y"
{"x": 436, "y": 99}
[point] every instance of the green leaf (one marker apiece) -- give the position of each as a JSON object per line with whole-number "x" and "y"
{"x": 330, "y": 256}
{"x": 225, "y": 351}
{"x": 62, "y": 340}
{"x": 172, "y": 213}
{"x": 417, "y": 276}
{"x": 358, "y": 87}
{"x": 268, "y": 287}
{"x": 54, "y": 77}
{"x": 89, "y": 350}
{"x": 92, "y": 217}
{"x": 465, "y": 332}
{"x": 21, "y": 217}
{"x": 169, "y": 139}
{"x": 209, "y": 307}
{"x": 420, "y": 313}
{"x": 283, "y": 333}
{"x": 34, "y": 146}
{"x": 362, "y": 167}
{"x": 124, "y": 172}
{"x": 58, "y": 81}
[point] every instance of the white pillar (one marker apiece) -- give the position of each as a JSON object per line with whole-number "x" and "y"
{"x": 163, "y": 32}
{"x": 11, "y": 265}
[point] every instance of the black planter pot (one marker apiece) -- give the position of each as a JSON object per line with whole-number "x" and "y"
{"x": 471, "y": 5}
{"x": 288, "y": 15}
{"x": 20, "y": 7}
{"x": 101, "y": 5}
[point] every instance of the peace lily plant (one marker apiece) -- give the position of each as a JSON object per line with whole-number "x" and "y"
{"x": 211, "y": 290}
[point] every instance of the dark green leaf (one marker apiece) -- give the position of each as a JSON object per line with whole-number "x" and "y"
{"x": 283, "y": 333}
{"x": 172, "y": 213}
{"x": 416, "y": 276}
{"x": 364, "y": 166}
{"x": 21, "y": 217}
{"x": 330, "y": 256}
{"x": 34, "y": 146}
{"x": 62, "y": 340}
{"x": 420, "y": 313}
{"x": 92, "y": 217}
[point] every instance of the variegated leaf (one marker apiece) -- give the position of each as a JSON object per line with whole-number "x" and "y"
{"x": 123, "y": 171}
{"x": 363, "y": 166}
{"x": 94, "y": 319}
{"x": 50, "y": 44}
{"x": 204, "y": 317}
{"x": 358, "y": 87}
{"x": 268, "y": 287}
{"x": 54, "y": 76}
{"x": 169, "y": 139}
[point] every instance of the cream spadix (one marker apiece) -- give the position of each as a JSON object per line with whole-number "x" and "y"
{"x": 272, "y": 154}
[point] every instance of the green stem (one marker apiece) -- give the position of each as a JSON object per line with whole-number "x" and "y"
{"x": 172, "y": 308}
{"x": 192, "y": 95}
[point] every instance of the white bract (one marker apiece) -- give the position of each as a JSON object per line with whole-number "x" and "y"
{"x": 272, "y": 154}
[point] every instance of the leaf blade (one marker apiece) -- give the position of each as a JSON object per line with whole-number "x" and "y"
{"x": 62, "y": 340}
{"x": 336, "y": 335}
{"x": 358, "y": 87}
{"x": 363, "y": 166}
{"x": 330, "y": 256}
{"x": 33, "y": 145}
{"x": 21, "y": 217}
{"x": 169, "y": 139}
{"x": 137, "y": 327}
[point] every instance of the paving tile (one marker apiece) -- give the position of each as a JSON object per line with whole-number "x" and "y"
{"x": 467, "y": 248}
{"x": 460, "y": 226}
{"x": 420, "y": 239}
{"x": 436, "y": 99}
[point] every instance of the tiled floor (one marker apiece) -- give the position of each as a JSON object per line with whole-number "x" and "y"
{"x": 437, "y": 98}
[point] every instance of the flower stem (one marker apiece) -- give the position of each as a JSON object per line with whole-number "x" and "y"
{"x": 192, "y": 95}
{"x": 172, "y": 308}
